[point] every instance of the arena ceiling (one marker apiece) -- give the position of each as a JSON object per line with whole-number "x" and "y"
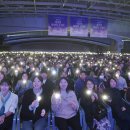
{"x": 112, "y": 9}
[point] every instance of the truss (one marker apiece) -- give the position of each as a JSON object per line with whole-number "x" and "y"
{"x": 112, "y": 9}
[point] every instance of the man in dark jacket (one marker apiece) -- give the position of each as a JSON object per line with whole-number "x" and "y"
{"x": 48, "y": 85}
{"x": 80, "y": 83}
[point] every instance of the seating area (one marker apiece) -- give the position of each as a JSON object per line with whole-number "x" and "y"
{"x": 90, "y": 80}
{"x": 51, "y": 120}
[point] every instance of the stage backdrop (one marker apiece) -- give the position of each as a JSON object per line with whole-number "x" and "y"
{"x": 57, "y": 25}
{"x": 98, "y": 27}
{"x": 79, "y": 26}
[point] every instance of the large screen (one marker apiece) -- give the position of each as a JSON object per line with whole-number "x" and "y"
{"x": 98, "y": 27}
{"x": 78, "y": 26}
{"x": 57, "y": 25}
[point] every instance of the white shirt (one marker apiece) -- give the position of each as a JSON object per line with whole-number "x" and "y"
{"x": 11, "y": 103}
{"x": 44, "y": 81}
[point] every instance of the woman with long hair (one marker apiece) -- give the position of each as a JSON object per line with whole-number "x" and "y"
{"x": 121, "y": 110}
{"x": 89, "y": 102}
{"x": 35, "y": 106}
{"x": 65, "y": 106}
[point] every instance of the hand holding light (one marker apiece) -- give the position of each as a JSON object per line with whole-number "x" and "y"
{"x": 0, "y": 67}
{"x": 128, "y": 74}
{"x": 105, "y": 97}
{"x": 24, "y": 81}
{"x": 77, "y": 71}
{"x": 89, "y": 92}
{"x": 117, "y": 75}
{"x": 16, "y": 71}
{"x": 53, "y": 72}
{"x": 57, "y": 97}
{"x": 35, "y": 104}
{"x": 123, "y": 109}
{"x": 36, "y": 73}
{"x": 39, "y": 98}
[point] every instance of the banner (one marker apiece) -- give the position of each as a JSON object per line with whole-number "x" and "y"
{"x": 98, "y": 28}
{"x": 78, "y": 26}
{"x": 57, "y": 25}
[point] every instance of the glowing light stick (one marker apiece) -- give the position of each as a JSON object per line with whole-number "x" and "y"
{"x": 128, "y": 73}
{"x": 53, "y": 72}
{"x": 105, "y": 97}
{"x": 89, "y": 92}
{"x": 24, "y": 81}
{"x": 57, "y": 95}
{"x": 117, "y": 75}
{"x": 77, "y": 71}
{"x": 36, "y": 73}
{"x": 39, "y": 98}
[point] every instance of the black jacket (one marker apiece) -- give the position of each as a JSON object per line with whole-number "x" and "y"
{"x": 29, "y": 97}
{"x": 48, "y": 87}
{"x": 117, "y": 103}
{"x": 90, "y": 108}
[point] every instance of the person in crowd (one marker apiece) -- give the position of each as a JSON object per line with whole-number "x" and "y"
{"x": 121, "y": 82}
{"x": 2, "y": 76}
{"x": 68, "y": 69}
{"x": 128, "y": 79}
{"x": 5, "y": 70}
{"x": 35, "y": 106}
{"x": 102, "y": 83}
{"x": 35, "y": 73}
{"x": 127, "y": 96}
{"x": 80, "y": 83}
{"x": 30, "y": 68}
{"x": 22, "y": 86}
{"x": 17, "y": 74}
{"x": 102, "y": 77}
{"x": 47, "y": 84}
{"x": 71, "y": 81}
{"x": 121, "y": 110}
{"x": 65, "y": 106}
{"x": 8, "y": 105}
{"x": 89, "y": 102}
{"x": 93, "y": 75}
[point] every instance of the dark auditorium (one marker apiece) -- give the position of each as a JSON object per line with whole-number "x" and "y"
{"x": 64, "y": 64}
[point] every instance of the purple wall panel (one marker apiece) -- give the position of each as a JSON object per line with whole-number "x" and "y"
{"x": 13, "y": 24}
